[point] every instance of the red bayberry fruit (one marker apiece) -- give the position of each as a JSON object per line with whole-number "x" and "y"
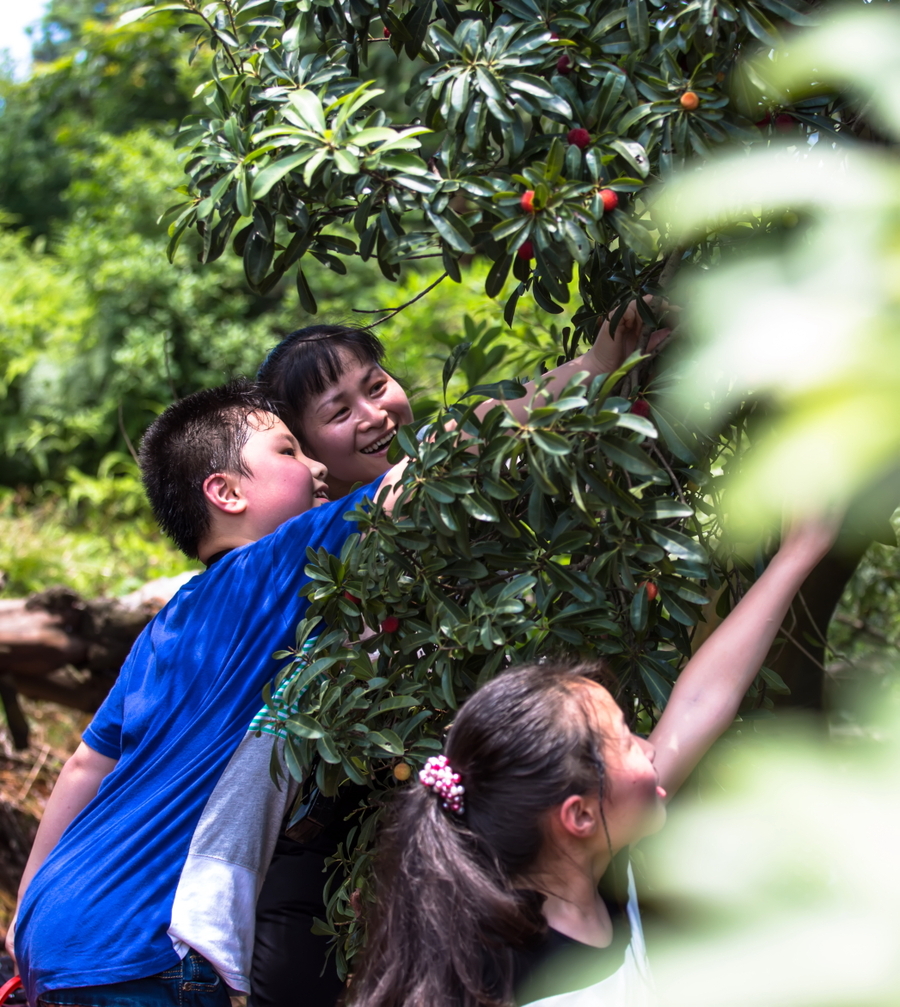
{"x": 554, "y": 37}
{"x": 390, "y": 625}
{"x": 610, "y": 200}
{"x": 564, "y": 64}
{"x": 351, "y": 597}
{"x": 785, "y": 123}
{"x": 651, "y": 589}
{"x": 387, "y": 32}
{"x": 579, "y": 137}
{"x": 763, "y": 122}
{"x": 641, "y": 408}
{"x": 525, "y": 251}
{"x": 527, "y": 201}
{"x": 689, "y": 101}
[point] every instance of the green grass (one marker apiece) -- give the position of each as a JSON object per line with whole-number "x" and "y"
{"x": 51, "y": 543}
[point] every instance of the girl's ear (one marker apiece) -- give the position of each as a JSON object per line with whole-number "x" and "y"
{"x": 579, "y": 816}
{"x": 223, "y": 491}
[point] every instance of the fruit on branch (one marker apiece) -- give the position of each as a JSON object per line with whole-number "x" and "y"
{"x": 784, "y": 122}
{"x": 564, "y": 64}
{"x": 527, "y": 201}
{"x": 689, "y": 101}
{"x": 351, "y": 597}
{"x": 402, "y": 771}
{"x": 387, "y": 32}
{"x": 390, "y": 625}
{"x": 579, "y": 136}
{"x": 641, "y": 407}
{"x": 610, "y": 200}
{"x": 651, "y": 589}
{"x": 525, "y": 251}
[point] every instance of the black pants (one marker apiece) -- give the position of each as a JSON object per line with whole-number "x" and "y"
{"x": 289, "y": 966}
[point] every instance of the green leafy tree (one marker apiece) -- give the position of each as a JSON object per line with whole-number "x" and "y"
{"x": 535, "y": 139}
{"x": 559, "y": 535}
{"x": 532, "y": 136}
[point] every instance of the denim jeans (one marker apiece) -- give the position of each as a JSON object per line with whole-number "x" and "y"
{"x": 193, "y": 982}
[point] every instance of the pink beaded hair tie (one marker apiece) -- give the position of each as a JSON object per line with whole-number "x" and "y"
{"x": 439, "y": 776}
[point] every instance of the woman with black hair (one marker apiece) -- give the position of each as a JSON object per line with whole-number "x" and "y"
{"x": 332, "y": 390}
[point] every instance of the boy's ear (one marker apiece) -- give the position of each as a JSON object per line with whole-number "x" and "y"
{"x": 224, "y": 492}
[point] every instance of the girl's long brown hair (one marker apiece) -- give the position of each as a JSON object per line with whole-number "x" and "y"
{"x": 447, "y": 907}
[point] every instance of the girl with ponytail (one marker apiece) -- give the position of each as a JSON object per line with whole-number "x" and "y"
{"x": 498, "y": 880}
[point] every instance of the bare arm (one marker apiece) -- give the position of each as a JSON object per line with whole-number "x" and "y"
{"x": 608, "y": 353}
{"x": 708, "y": 692}
{"x": 76, "y": 787}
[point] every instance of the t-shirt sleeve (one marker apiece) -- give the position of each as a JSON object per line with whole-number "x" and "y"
{"x": 104, "y": 733}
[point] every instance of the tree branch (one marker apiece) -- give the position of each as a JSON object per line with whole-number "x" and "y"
{"x": 395, "y": 311}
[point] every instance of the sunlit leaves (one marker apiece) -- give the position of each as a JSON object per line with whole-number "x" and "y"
{"x": 300, "y": 134}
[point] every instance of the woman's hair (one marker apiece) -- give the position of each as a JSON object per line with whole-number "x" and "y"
{"x": 308, "y": 362}
{"x": 446, "y": 903}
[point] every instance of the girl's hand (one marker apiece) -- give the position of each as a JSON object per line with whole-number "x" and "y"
{"x": 610, "y": 350}
{"x": 810, "y": 538}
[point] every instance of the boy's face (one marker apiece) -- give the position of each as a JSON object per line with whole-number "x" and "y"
{"x": 283, "y": 482}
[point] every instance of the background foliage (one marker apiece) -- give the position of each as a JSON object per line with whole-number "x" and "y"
{"x": 98, "y": 335}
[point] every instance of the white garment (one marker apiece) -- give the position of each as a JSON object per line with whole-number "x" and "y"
{"x": 629, "y": 986}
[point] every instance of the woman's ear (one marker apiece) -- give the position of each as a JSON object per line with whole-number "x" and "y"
{"x": 579, "y": 816}
{"x": 223, "y": 491}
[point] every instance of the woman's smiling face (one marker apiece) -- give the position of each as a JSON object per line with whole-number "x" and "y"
{"x": 350, "y": 426}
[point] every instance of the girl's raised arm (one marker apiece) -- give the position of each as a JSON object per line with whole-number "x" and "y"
{"x": 707, "y": 694}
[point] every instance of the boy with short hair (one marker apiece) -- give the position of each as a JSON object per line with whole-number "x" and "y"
{"x": 142, "y": 881}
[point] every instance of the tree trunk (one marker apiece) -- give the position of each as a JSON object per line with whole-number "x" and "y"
{"x": 59, "y": 647}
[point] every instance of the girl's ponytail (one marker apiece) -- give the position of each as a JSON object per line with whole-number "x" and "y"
{"x": 443, "y": 913}
{"x": 448, "y": 910}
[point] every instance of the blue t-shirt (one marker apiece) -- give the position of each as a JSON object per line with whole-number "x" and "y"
{"x": 99, "y": 909}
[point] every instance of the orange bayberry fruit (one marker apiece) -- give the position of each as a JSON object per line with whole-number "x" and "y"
{"x": 651, "y": 589}
{"x": 390, "y": 625}
{"x": 525, "y": 251}
{"x": 402, "y": 771}
{"x": 564, "y": 64}
{"x": 641, "y": 408}
{"x": 527, "y": 201}
{"x": 579, "y": 137}
{"x": 689, "y": 101}
{"x": 610, "y": 200}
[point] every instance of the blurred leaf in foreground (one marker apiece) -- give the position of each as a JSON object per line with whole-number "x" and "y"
{"x": 790, "y": 876}
{"x": 805, "y": 314}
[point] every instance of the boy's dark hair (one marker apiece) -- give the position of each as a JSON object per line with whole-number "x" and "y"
{"x": 447, "y": 910}
{"x": 308, "y": 362}
{"x": 202, "y": 434}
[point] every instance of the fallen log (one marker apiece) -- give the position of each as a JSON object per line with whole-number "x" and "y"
{"x": 58, "y": 646}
